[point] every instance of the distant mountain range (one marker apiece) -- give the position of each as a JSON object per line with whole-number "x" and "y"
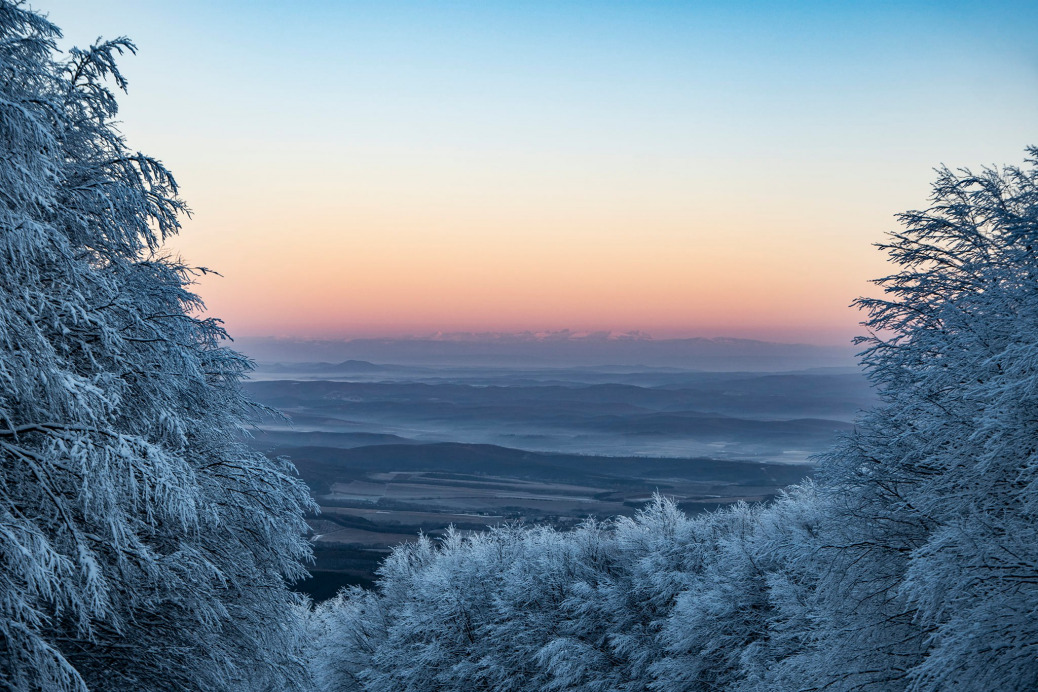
{"x": 347, "y": 367}
{"x": 548, "y": 349}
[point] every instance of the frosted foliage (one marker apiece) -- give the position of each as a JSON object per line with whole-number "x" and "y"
{"x": 651, "y": 602}
{"x": 141, "y": 547}
{"x": 942, "y": 476}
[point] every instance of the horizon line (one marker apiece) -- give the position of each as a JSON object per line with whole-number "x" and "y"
{"x": 532, "y": 336}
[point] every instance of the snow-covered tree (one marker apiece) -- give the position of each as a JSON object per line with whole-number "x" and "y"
{"x": 719, "y": 621}
{"x": 936, "y": 526}
{"x": 516, "y": 608}
{"x": 971, "y": 275}
{"x": 141, "y": 545}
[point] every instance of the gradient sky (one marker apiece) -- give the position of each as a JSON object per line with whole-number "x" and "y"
{"x": 683, "y": 168}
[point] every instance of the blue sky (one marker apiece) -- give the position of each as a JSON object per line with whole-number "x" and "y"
{"x": 683, "y": 168}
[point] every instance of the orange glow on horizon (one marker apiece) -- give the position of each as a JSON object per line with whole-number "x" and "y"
{"x": 685, "y": 169}
{"x": 383, "y": 271}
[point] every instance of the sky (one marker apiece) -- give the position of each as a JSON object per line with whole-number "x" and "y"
{"x": 680, "y": 168}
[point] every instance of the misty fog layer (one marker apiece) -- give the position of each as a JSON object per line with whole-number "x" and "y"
{"x": 777, "y": 417}
{"x": 558, "y": 349}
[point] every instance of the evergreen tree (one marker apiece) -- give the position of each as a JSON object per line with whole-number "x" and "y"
{"x": 141, "y": 546}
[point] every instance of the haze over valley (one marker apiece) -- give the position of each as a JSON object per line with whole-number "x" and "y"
{"x": 392, "y": 449}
